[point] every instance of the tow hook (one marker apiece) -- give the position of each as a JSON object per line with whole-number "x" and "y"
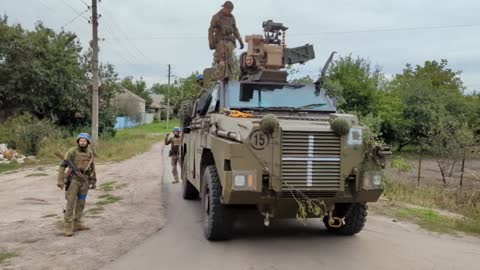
{"x": 335, "y": 222}
{"x": 266, "y": 221}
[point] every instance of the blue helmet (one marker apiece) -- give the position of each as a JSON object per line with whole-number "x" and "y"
{"x": 85, "y": 136}
{"x": 199, "y": 77}
{"x": 175, "y": 129}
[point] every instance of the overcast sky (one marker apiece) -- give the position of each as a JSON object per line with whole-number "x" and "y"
{"x": 143, "y": 36}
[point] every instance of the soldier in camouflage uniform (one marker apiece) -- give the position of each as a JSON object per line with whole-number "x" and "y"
{"x": 174, "y": 153}
{"x": 76, "y": 187}
{"x": 221, "y": 37}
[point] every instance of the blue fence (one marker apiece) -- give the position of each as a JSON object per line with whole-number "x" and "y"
{"x": 125, "y": 122}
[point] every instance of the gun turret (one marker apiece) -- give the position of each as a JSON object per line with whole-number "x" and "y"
{"x": 272, "y": 32}
{"x": 271, "y": 53}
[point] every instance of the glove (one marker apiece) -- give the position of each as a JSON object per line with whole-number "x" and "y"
{"x": 61, "y": 185}
{"x": 93, "y": 186}
{"x": 241, "y": 44}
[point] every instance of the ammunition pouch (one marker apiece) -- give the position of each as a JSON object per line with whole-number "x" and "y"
{"x": 68, "y": 180}
{"x": 174, "y": 151}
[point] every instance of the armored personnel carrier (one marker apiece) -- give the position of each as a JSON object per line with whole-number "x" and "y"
{"x": 282, "y": 148}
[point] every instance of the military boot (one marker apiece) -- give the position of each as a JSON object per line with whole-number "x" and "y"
{"x": 68, "y": 231}
{"x": 175, "y": 181}
{"x": 78, "y": 226}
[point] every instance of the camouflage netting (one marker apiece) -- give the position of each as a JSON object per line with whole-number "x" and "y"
{"x": 340, "y": 126}
{"x": 269, "y": 123}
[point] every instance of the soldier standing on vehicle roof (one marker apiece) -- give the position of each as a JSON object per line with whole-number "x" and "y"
{"x": 77, "y": 186}
{"x": 221, "y": 37}
{"x": 174, "y": 153}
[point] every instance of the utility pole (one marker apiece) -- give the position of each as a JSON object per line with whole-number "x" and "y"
{"x": 168, "y": 96}
{"x": 95, "y": 74}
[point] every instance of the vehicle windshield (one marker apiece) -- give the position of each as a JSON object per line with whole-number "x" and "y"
{"x": 277, "y": 96}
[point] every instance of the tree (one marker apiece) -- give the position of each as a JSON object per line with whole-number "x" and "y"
{"x": 44, "y": 73}
{"x": 447, "y": 142}
{"x": 421, "y": 96}
{"x": 359, "y": 84}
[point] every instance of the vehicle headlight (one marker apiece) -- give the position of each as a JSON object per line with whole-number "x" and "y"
{"x": 243, "y": 180}
{"x": 372, "y": 180}
{"x": 240, "y": 181}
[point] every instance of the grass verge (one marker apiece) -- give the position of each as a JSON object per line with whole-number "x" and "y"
{"x": 4, "y": 256}
{"x": 126, "y": 144}
{"x": 36, "y": 174}
{"x": 462, "y": 202}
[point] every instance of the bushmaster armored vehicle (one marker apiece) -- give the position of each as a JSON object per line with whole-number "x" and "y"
{"x": 282, "y": 148}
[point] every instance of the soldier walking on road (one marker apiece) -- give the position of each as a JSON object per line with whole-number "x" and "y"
{"x": 174, "y": 153}
{"x": 221, "y": 37}
{"x": 77, "y": 186}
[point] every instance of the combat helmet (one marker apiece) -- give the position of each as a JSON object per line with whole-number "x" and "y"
{"x": 85, "y": 136}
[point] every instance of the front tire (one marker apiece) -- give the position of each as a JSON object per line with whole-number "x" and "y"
{"x": 355, "y": 218}
{"x": 217, "y": 219}
{"x": 189, "y": 192}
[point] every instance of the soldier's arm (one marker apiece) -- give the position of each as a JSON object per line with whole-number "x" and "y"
{"x": 93, "y": 176}
{"x": 236, "y": 32}
{"x": 167, "y": 139}
{"x": 69, "y": 155}
{"x": 211, "y": 31}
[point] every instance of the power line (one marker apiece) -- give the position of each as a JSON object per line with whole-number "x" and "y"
{"x": 167, "y": 37}
{"x": 111, "y": 33}
{"x": 74, "y": 10}
{"x": 85, "y": 3}
{"x": 71, "y": 21}
{"x": 111, "y": 18}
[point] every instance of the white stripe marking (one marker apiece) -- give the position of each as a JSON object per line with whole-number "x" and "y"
{"x": 311, "y": 144}
{"x": 311, "y": 159}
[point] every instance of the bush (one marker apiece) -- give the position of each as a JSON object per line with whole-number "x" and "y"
{"x": 401, "y": 164}
{"x": 26, "y": 133}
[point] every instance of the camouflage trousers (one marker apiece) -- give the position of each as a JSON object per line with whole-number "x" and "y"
{"x": 175, "y": 161}
{"x": 76, "y": 195}
{"x": 224, "y": 59}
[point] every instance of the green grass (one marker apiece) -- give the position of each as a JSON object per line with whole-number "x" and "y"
{"x": 36, "y": 174}
{"x": 462, "y": 202}
{"x": 95, "y": 210}
{"x": 126, "y": 144}
{"x": 160, "y": 127}
{"x": 430, "y": 219}
{"x": 108, "y": 199}
{"x": 9, "y": 167}
{"x": 4, "y": 256}
{"x": 107, "y": 186}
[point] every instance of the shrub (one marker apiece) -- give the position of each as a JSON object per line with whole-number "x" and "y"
{"x": 401, "y": 164}
{"x": 25, "y": 133}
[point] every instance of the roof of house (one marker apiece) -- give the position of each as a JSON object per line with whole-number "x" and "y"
{"x": 126, "y": 92}
{"x": 157, "y": 101}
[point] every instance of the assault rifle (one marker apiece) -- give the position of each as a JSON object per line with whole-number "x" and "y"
{"x": 72, "y": 167}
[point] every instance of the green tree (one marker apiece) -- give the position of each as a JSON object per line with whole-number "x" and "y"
{"x": 358, "y": 83}
{"x": 45, "y": 73}
{"x": 422, "y": 96}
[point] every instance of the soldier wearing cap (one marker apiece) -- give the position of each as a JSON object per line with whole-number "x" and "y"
{"x": 174, "y": 153}
{"x": 77, "y": 186}
{"x": 222, "y": 34}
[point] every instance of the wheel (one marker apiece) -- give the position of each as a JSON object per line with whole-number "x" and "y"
{"x": 189, "y": 192}
{"x": 217, "y": 218}
{"x": 355, "y": 218}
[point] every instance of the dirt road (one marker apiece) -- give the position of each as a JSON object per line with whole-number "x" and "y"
{"x": 383, "y": 244}
{"x": 31, "y": 211}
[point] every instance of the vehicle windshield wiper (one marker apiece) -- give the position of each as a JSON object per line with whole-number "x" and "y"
{"x": 310, "y": 105}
